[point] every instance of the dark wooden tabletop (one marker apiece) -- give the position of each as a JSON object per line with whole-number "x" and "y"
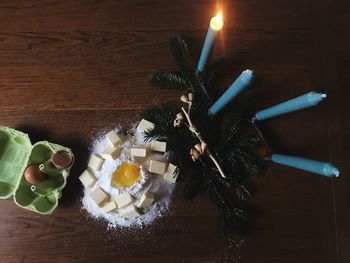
{"x": 72, "y": 69}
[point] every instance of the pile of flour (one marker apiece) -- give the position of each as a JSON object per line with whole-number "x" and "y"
{"x": 153, "y": 183}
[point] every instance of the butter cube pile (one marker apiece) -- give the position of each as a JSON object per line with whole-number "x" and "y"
{"x": 156, "y": 167}
{"x": 130, "y": 207}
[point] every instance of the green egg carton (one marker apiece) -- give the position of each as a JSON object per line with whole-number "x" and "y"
{"x": 16, "y": 153}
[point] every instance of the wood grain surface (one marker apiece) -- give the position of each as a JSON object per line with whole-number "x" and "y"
{"x": 70, "y": 70}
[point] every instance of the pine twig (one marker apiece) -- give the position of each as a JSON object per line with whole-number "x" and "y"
{"x": 168, "y": 80}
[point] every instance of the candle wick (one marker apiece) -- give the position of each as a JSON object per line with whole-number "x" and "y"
{"x": 336, "y": 172}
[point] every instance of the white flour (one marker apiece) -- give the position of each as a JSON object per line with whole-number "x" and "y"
{"x": 148, "y": 182}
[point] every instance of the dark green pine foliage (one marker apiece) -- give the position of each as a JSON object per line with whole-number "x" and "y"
{"x": 230, "y": 138}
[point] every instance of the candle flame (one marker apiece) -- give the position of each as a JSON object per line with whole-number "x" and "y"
{"x": 217, "y": 22}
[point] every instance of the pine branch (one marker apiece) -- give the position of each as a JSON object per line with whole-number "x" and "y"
{"x": 193, "y": 183}
{"x": 213, "y": 71}
{"x": 230, "y": 139}
{"x": 168, "y": 80}
{"x": 230, "y": 127}
{"x": 180, "y": 51}
{"x": 246, "y": 161}
{"x": 248, "y": 141}
{"x": 162, "y": 117}
{"x": 242, "y": 192}
{"x": 231, "y": 218}
{"x": 232, "y": 182}
{"x": 176, "y": 157}
{"x": 244, "y": 99}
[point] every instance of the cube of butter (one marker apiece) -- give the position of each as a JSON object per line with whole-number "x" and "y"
{"x": 123, "y": 199}
{"x": 113, "y": 138}
{"x": 95, "y": 162}
{"x": 110, "y": 206}
{"x": 170, "y": 174}
{"x": 146, "y": 200}
{"x": 157, "y": 167}
{"x": 87, "y": 178}
{"x": 98, "y": 196}
{"x": 130, "y": 212}
{"x": 158, "y": 146}
{"x": 138, "y": 152}
{"x": 145, "y": 125}
{"x": 110, "y": 153}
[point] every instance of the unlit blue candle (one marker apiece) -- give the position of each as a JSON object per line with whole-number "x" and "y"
{"x": 325, "y": 169}
{"x": 236, "y": 87}
{"x": 216, "y": 24}
{"x": 307, "y": 100}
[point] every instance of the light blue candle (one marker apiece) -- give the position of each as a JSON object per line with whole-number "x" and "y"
{"x": 307, "y": 100}
{"x": 236, "y": 87}
{"x": 317, "y": 167}
{"x": 216, "y": 24}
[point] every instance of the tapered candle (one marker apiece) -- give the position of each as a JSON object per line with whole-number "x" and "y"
{"x": 236, "y": 87}
{"x": 307, "y": 100}
{"x": 325, "y": 169}
{"x": 216, "y": 23}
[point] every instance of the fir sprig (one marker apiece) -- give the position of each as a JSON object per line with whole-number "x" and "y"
{"x": 181, "y": 54}
{"x": 168, "y": 80}
{"x": 231, "y": 141}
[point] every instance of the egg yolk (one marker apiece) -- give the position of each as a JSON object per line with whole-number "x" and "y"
{"x": 125, "y": 176}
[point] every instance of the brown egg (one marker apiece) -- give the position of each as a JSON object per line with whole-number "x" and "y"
{"x": 33, "y": 175}
{"x": 61, "y": 159}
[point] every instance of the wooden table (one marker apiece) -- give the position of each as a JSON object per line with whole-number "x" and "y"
{"x": 70, "y": 70}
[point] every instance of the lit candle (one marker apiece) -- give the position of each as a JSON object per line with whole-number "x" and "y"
{"x": 307, "y": 100}
{"x": 236, "y": 87}
{"x": 215, "y": 26}
{"x": 317, "y": 167}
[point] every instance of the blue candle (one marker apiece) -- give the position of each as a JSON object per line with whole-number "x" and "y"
{"x": 307, "y": 100}
{"x": 216, "y": 24}
{"x": 236, "y": 87}
{"x": 317, "y": 167}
